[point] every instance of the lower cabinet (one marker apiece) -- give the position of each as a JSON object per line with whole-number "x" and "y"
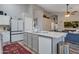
{"x": 35, "y": 43}
{"x": 17, "y": 37}
{"x": 29, "y": 40}
{"x": 1, "y": 50}
{"x": 42, "y": 44}
{"x": 45, "y": 45}
{"x": 38, "y": 43}
{"x": 6, "y": 36}
{"x": 25, "y": 38}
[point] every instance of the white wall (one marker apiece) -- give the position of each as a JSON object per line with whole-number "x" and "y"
{"x": 38, "y": 13}
{"x": 15, "y": 10}
{"x": 18, "y": 11}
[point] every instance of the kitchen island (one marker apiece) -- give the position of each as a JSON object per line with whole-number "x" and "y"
{"x": 43, "y": 42}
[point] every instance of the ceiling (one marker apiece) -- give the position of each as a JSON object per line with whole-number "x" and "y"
{"x": 59, "y": 7}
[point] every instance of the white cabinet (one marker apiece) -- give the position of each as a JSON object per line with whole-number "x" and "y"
{"x": 4, "y": 20}
{"x": 17, "y": 37}
{"x": 48, "y": 45}
{"x": 6, "y": 36}
{"x": 46, "y": 24}
{"x": 16, "y": 25}
{"x": 13, "y": 25}
{"x": 29, "y": 40}
{"x": 38, "y": 43}
{"x": 45, "y": 45}
{"x": 17, "y": 30}
{"x": 35, "y": 42}
{"x": 20, "y": 25}
{"x": 25, "y": 38}
{"x": 1, "y": 51}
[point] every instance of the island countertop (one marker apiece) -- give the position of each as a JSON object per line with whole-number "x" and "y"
{"x": 49, "y": 34}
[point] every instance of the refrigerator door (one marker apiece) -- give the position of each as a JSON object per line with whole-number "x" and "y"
{"x": 20, "y": 25}
{"x": 13, "y": 25}
{"x": 17, "y": 37}
{"x": 17, "y": 30}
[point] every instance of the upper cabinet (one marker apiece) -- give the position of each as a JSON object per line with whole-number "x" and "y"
{"x": 4, "y": 20}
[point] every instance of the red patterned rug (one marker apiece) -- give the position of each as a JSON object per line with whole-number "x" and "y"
{"x": 15, "y": 48}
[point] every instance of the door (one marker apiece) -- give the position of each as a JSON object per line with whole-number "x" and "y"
{"x": 35, "y": 42}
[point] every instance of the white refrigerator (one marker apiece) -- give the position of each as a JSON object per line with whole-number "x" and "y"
{"x": 17, "y": 31}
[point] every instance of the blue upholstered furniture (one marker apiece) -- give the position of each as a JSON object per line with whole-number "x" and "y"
{"x": 72, "y": 37}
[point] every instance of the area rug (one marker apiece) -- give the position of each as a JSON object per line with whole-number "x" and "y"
{"x": 15, "y": 48}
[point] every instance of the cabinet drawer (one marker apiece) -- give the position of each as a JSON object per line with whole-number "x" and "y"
{"x": 17, "y": 37}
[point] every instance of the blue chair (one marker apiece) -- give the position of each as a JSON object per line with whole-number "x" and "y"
{"x": 72, "y": 37}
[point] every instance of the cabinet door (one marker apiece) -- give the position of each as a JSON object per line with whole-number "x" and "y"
{"x": 20, "y": 25}
{"x": 4, "y": 20}
{"x": 17, "y": 37}
{"x": 44, "y": 45}
{"x": 29, "y": 40}
{"x": 6, "y": 36}
{"x": 1, "y": 51}
{"x": 25, "y": 38}
{"x": 35, "y": 42}
{"x": 46, "y": 24}
{"x": 14, "y": 25}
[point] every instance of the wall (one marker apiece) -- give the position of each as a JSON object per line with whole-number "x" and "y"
{"x": 15, "y": 10}
{"x": 38, "y": 13}
{"x": 18, "y": 11}
{"x": 61, "y": 20}
{"x": 21, "y": 10}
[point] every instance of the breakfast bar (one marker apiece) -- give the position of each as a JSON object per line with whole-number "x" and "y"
{"x": 44, "y": 42}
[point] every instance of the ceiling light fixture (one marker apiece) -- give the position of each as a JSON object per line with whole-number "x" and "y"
{"x": 67, "y": 14}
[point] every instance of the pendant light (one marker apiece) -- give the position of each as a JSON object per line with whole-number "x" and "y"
{"x": 67, "y": 14}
